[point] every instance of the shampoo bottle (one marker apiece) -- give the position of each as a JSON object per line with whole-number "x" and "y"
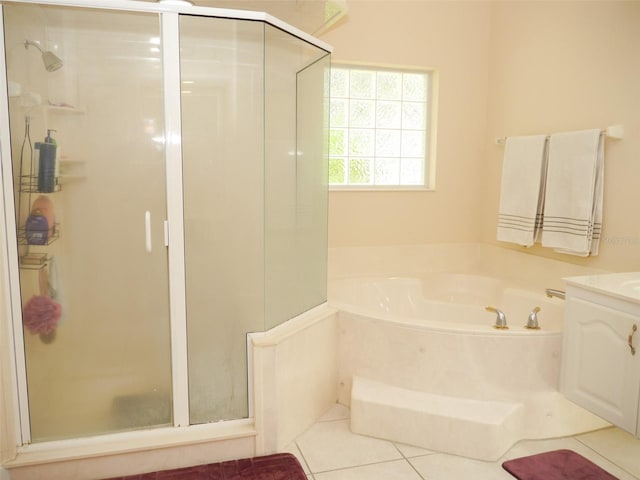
{"x": 47, "y": 164}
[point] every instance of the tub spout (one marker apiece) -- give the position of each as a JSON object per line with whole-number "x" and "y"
{"x": 552, "y": 292}
{"x": 501, "y": 318}
{"x": 532, "y": 321}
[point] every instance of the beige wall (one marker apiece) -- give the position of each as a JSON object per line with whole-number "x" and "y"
{"x": 506, "y": 68}
{"x": 561, "y": 66}
{"x": 453, "y": 38}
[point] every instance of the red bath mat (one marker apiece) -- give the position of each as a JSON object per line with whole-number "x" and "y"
{"x": 279, "y": 466}
{"x": 556, "y": 465}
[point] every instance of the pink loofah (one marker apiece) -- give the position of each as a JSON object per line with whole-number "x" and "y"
{"x": 41, "y": 314}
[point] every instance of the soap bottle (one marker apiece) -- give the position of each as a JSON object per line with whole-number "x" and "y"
{"x": 47, "y": 164}
{"x": 41, "y": 223}
{"x": 37, "y": 228}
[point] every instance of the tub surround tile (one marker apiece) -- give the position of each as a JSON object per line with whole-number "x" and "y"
{"x": 474, "y": 428}
{"x": 530, "y": 271}
{"x": 416, "y": 260}
{"x": 295, "y": 376}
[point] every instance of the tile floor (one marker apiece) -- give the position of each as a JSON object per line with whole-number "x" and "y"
{"x": 329, "y": 451}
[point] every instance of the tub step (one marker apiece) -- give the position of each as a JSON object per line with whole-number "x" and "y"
{"x": 479, "y": 429}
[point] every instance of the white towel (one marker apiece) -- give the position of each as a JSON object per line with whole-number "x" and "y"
{"x": 573, "y": 200}
{"x": 522, "y": 189}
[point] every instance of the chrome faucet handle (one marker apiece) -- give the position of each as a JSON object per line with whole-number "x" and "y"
{"x": 532, "y": 321}
{"x": 501, "y": 318}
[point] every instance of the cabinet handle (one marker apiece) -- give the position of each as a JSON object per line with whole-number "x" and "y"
{"x": 633, "y": 330}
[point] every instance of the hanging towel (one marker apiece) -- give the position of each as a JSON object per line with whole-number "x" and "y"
{"x": 573, "y": 200}
{"x": 522, "y": 189}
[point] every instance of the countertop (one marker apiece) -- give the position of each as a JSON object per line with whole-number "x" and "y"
{"x": 624, "y": 285}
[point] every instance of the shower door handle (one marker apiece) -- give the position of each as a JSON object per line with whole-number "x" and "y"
{"x": 147, "y": 231}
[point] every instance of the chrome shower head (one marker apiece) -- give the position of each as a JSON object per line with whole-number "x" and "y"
{"x": 50, "y": 60}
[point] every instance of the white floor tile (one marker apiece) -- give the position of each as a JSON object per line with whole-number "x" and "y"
{"x": 532, "y": 447}
{"x": 409, "y": 451}
{"x": 441, "y": 466}
{"x": 293, "y": 448}
{"x": 337, "y": 412}
{"x": 394, "y": 470}
{"x": 332, "y": 452}
{"x": 331, "y": 446}
{"x": 616, "y": 445}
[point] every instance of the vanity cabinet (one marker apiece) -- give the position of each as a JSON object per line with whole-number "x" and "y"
{"x": 601, "y": 354}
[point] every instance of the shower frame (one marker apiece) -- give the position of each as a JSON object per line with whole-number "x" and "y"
{"x": 18, "y": 395}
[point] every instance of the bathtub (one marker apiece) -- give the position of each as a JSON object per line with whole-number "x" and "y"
{"x": 421, "y": 363}
{"x": 447, "y": 302}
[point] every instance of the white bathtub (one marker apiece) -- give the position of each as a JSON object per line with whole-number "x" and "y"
{"x": 420, "y": 363}
{"x": 447, "y": 301}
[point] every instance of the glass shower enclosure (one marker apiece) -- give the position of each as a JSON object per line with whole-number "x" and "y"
{"x": 169, "y": 173}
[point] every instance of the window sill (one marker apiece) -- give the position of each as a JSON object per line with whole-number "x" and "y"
{"x": 381, "y": 188}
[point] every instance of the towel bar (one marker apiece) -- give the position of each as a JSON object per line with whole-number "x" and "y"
{"x": 615, "y": 132}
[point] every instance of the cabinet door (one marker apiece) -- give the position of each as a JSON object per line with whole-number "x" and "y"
{"x": 599, "y": 371}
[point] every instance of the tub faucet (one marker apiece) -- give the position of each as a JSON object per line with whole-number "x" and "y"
{"x": 501, "y": 318}
{"x": 532, "y": 321}
{"x": 552, "y": 292}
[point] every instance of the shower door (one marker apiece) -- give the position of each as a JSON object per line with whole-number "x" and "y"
{"x": 103, "y": 365}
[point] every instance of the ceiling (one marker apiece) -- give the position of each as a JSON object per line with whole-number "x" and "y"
{"x": 310, "y": 16}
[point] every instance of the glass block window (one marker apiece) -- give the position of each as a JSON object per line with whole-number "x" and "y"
{"x": 379, "y": 123}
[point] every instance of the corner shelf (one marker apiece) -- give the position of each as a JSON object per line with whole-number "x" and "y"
{"x": 70, "y": 178}
{"x": 71, "y": 170}
{"x": 29, "y": 184}
{"x": 22, "y": 237}
{"x": 63, "y": 109}
{"x": 34, "y": 261}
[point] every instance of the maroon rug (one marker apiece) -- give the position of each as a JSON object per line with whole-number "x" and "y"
{"x": 556, "y": 465}
{"x": 279, "y": 466}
